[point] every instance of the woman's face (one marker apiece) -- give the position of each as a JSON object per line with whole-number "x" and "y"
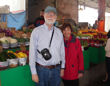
{"x": 67, "y": 33}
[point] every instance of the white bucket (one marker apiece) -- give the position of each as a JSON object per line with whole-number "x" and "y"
{"x": 4, "y": 64}
{"x": 13, "y": 62}
{"x": 22, "y": 61}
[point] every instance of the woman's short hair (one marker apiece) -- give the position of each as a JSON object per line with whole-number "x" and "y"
{"x": 65, "y": 25}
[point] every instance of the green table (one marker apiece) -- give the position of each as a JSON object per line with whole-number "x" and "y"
{"x": 93, "y": 55}
{"x": 97, "y": 55}
{"x": 86, "y": 59}
{"x": 19, "y": 76}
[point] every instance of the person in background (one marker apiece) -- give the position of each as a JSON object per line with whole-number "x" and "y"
{"x": 47, "y": 42}
{"x": 40, "y": 20}
{"x": 74, "y": 67}
{"x": 95, "y": 25}
{"x": 107, "y": 49}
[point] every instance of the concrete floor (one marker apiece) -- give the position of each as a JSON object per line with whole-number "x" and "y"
{"x": 93, "y": 76}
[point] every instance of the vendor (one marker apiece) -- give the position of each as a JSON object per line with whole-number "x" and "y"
{"x": 40, "y": 20}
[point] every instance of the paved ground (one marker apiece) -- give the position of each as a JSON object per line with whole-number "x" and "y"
{"x": 94, "y": 76}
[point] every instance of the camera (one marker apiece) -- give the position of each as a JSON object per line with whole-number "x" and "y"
{"x": 46, "y": 54}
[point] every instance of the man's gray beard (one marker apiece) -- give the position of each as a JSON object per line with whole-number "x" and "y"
{"x": 50, "y": 23}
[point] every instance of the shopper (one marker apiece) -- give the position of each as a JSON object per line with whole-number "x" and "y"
{"x": 40, "y": 20}
{"x": 74, "y": 67}
{"x": 107, "y": 49}
{"x": 47, "y": 51}
{"x": 95, "y": 25}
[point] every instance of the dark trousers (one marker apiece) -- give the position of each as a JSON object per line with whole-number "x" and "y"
{"x": 108, "y": 68}
{"x": 48, "y": 77}
{"x": 71, "y": 82}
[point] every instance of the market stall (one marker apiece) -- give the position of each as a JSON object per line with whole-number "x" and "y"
{"x": 93, "y": 52}
{"x": 14, "y": 52}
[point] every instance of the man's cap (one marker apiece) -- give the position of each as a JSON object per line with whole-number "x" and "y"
{"x": 50, "y": 9}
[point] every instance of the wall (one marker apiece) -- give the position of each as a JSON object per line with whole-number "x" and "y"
{"x": 34, "y": 7}
{"x": 66, "y": 8}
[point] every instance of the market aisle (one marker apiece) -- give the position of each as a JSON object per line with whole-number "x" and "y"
{"x": 93, "y": 76}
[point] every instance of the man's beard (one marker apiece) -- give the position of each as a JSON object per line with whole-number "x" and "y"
{"x": 50, "y": 22}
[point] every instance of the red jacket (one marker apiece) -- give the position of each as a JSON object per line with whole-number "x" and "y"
{"x": 74, "y": 59}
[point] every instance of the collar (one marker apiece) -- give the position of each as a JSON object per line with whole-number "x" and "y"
{"x": 71, "y": 39}
{"x": 46, "y": 27}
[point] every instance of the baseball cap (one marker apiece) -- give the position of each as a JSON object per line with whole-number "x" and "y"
{"x": 50, "y": 9}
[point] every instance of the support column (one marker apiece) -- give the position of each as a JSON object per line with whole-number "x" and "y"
{"x": 101, "y": 15}
{"x": 68, "y": 9}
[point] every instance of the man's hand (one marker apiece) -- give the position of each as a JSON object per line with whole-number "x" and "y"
{"x": 35, "y": 78}
{"x": 80, "y": 75}
{"x": 62, "y": 72}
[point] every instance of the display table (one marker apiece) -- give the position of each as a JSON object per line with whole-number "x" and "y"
{"x": 93, "y": 55}
{"x": 19, "y": 76}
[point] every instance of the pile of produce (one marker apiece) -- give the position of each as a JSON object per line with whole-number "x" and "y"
{"x": 92, "y": 37}
{"x": 12, "y": 59}
{"x": 8, "y": 42}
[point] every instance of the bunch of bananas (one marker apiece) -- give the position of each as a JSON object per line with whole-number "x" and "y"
{"x": 21, "y": 55}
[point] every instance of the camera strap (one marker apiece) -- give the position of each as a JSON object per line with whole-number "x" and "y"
{"x": 50, "y": 41}
{"x": 51, "y": 38}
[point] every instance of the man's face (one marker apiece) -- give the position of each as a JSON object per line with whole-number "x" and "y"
{"x": 50, "y": 17}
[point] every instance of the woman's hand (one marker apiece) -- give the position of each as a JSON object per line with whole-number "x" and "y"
{"x": 80, "y": 75}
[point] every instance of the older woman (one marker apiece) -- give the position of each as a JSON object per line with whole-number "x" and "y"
{"x": 74, "y": 67}
{"x": 107, "y": 49}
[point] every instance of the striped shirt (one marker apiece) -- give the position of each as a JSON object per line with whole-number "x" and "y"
{"x": 40, "y": 39}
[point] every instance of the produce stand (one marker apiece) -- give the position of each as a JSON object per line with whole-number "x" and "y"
{"x": 21, "y": 75}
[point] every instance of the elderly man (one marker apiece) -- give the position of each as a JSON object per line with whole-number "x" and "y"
{"x": 46, "y": 53}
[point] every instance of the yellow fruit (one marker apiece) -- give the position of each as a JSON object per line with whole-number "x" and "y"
{"x": 22, "y": 55}
{"x": 10, "y": 52}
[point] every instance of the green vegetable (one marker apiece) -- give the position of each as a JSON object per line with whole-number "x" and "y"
{"x": 11, "y": 56}
{"x": 3, "y": 56}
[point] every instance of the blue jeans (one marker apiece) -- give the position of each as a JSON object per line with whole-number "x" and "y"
{"x": 48, "y": 77}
